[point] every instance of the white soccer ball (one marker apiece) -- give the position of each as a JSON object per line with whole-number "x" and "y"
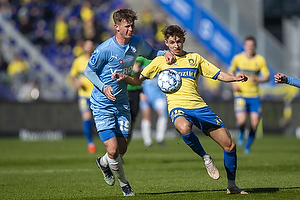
{"x": 169, "y": 81}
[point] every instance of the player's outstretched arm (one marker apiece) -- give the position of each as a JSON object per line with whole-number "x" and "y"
{"x": 132, "y": 80}
{"x": 280, "y": 78}
{"x": 226, "y": 77}
{"x": 170, "y": 58}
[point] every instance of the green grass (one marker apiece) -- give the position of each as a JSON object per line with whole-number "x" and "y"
{"x": 64, "y": 170}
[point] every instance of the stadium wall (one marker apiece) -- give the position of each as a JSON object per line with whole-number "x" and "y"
{"x": 64, "y": 118}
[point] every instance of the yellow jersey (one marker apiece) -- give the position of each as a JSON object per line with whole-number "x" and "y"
{"x": 249, "y": 66}
{"x": 17, "y": 67}
{"x": 189, "y": 66}
{"x": 77, "y": 71}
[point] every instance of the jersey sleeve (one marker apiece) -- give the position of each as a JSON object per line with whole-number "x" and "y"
{"x": 147, "y": 51}
{"x": 233, "y": 65}
{"x": 98, "y": 59}
{"x": 207, "y": 69}
{"x": 74, "y": 68}
{"x": 264, "y": 68}
{"x": 153, "y": 68}
{"x": 293, "y": 81}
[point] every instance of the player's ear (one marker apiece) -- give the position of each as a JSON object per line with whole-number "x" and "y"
{"x": 166, "y": 43}
{"x": 117, "y": 27}
{"x": 183, "y": 39}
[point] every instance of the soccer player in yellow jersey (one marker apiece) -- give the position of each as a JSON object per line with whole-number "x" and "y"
{"x": 85, "y": 88}
{"x": 187, "y": 108}
{"x": 246, "y": 95}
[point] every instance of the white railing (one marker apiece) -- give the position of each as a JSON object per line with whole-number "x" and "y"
{"x": 51, "y": 83}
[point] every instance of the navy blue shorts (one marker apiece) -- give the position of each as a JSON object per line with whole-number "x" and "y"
{"x": 243, "y": 104}
{"x": 203, "y": 118}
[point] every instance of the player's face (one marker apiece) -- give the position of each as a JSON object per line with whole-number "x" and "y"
{"x": 88, "y": 46}
{"x": 175, "y": 45}
{"x": 249, "y": 47}
{"x": 125, "y": 29}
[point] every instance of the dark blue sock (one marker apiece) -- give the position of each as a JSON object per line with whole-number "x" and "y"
{"x": 250, "y": 139}
{"x": 193, "y": 142}
{"x": 230, "y": 163}
{"x": 87, "y": 130}
{"x": 241, "y": 130}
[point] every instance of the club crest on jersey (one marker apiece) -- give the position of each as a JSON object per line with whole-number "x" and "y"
{"x": 192, "y": 62}
{"x": 93, "y": 60}
{"x": 133, "y": 49}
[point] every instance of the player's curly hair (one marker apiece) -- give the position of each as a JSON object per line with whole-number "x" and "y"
{"x": 124, "y": 13}
{"x": 173, "y": 30}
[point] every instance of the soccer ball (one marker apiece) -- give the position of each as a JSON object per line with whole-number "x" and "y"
{"x": 169, "y": 81}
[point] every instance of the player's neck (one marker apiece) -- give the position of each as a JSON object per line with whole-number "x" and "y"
{"x": 121, "y": 40}
{"x": 250, "y": 55}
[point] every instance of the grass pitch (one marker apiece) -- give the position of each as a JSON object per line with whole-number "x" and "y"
{"x": 64, "y": 170}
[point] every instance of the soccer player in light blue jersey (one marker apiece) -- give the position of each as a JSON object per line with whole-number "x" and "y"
{"x": 187, "y": 108}
{"x": 109, "y": 99}
{"x": 281, "y": 78}
{"x": 152, "y": 97}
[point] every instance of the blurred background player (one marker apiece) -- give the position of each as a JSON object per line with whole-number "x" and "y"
{"x": 153, "y": 97}
{"x": 84, "y": 87}
{"x": 281, "y": 78}
{"x": 246, "y": 94}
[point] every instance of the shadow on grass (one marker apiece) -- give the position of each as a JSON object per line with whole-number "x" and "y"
{"x": 250, "y": 190}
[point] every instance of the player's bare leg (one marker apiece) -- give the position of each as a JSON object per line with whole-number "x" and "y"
{"x": 223, "y": 138}
{"x": 241, "y": 121}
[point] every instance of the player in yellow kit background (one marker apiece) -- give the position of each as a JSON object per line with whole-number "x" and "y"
{"x": 246, "y": 94}
{"x": 84, "y": 87}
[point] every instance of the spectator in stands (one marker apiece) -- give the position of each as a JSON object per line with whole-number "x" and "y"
{"x": 86, "y": 12}
{"x": 246, "y": 95}
{"x": 61, "y": 30}
{"x": 84, "y": 87}
{"x": 18, "y": 70}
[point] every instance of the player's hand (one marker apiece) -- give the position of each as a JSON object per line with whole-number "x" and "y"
{"x": 241, "y": 77}
{"x": 280, "y": 78}
{"x": 170, "y": 58}
{"x": 118, "y": 76}
{"x": 108, "y": 94}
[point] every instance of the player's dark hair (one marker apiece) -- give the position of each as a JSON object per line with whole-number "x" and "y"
{"x": 124, "y": 13}
{"x": 173, "y": 30}
{"x": 250, "y": 38}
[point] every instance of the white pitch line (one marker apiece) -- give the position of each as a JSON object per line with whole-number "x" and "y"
{"x": 43, "y": 171}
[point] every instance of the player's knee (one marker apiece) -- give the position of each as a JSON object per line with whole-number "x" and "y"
{"x": 230, "y": 147}
{"x": 113, "y": 154}
{"x": 184, "y": 128}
